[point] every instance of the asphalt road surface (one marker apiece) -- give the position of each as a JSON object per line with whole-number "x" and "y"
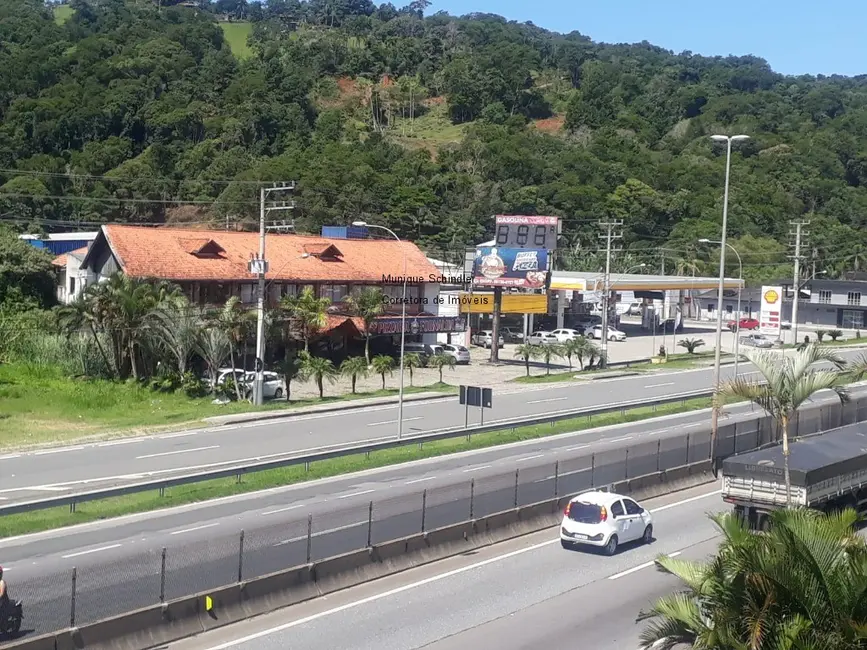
{"x": 119, "y": 562}
{"x": 47, "y": 472}
{"x": 524, "y": 594}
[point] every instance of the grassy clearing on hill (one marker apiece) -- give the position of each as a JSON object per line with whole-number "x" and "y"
{"x": 61, "y": 517}
{"x": 236, "y": 35}
{"x": 430, "y": 131}
{"x": 41, "y": 406}
{"x": 62, "y": 13}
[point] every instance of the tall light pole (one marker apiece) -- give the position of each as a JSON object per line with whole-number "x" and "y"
{"x": 722, "y": 271}
{"x": 738, "y": 317}
{"x": 364, "y": 224}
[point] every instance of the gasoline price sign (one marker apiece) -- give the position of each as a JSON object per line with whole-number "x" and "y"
{"x": 516, "y": 231}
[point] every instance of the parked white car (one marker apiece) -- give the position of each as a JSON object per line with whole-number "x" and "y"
{"x": 542, "y": 338}
{"x": 757, "y": 341}
{"x": 273, "y": 388}
{"x": 485, "y": 339}
{"x": 595, "y": 332}
{"x": 604, "y": 520}
{"x": 458, "y": 352}
{"x": 564, "y": 335}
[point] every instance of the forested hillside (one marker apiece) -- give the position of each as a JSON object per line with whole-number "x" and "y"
{"x": 140, "y": 112}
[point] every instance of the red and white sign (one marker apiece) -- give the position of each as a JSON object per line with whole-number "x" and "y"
{"x": 526, "y": 220}
{"x": 770, "y": 314}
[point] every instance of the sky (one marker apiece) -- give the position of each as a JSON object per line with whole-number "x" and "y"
{"x": 794, "y": 36}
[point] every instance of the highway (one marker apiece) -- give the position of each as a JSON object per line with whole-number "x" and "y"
{"x": 118, "y": 561}
{"x": 36, "y": 474}
{"x": 524, "y": 594}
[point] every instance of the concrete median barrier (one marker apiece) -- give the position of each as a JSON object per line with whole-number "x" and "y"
{"x": 156, "y": 626}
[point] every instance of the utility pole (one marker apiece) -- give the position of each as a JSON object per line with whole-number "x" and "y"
{"x": 495, "y": 325}
{"x": 609, "y": 236}
{"x": 259, "y": 266}
{"x": 796, "y": 283}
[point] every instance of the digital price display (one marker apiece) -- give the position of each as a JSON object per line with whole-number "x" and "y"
{"x": 527, "y": 232}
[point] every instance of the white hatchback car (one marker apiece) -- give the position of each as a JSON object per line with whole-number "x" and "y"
{"x": 605, "y": 520}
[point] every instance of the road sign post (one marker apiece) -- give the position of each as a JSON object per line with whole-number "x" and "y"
{"x": 475, "y": 396}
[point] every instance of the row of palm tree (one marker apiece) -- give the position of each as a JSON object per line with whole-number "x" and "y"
{"x": 579, "y": 348}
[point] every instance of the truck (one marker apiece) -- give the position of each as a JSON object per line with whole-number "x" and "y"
{"x": 828, "y": 471}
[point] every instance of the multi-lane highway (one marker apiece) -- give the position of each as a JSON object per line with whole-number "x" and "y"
{"x": 525, "y": 594}
{"x": 53, "y": 471}
{"x": 119, "y": 562}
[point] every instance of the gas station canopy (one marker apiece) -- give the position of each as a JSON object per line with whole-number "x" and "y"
{"x": 592, "y": 281}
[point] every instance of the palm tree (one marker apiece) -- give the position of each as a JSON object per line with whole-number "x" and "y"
{"x": 214, "y": 346}
{"x": 690, "y": 345}
{"x": 382, "y": 364}
{"x": 440, "y": 361}
{"x": 319, "y": 370}
{"x": 177, "y": 324}
{"x": 548, "y": 352}
{"x": 78, "y": 315}
{"x": 526, "y": 352}
{"x": 580, "y": 348}
{"x": 236, "y": 322}
{"x": 307, "y": 313}
{"x": 353, "y": 367}
{"x": 799, "y": 586}
{"x": 411, "y": 361}
{"x": 290, "y": 369}
{"x": 787, "y": 382}
{"x": 367, "y": 305}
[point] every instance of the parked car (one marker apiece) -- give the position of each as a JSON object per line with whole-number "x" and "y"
{"x": 485, "y": 339}
{"x": 634, "y": 309}
{"x": 743, "y": 324}
{"x": 604, "y": 520}
{"x": 273, "y": 388}
{"x": 543, "y": 338}
{"x": 595, "y": 332}
{"x": 424, "y": 350}
{"x": 564, "y": 335}
{"x": 786, "y": 325}
{"x": 757, "y": 341}
{"x": 458, "y": 352}
{"x": 511, "y": 336}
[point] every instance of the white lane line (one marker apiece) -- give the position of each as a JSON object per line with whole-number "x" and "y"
{"x": 45, "y": 488}
{"x": 322, "y": 532}
{"x": 375, "y": 597}
{"x": 93, "y": 550}
{"x": 639, "y": 567}
{"x": 114, "y": 443}
{"x": 10, "y": 456}
{"x": 521, "y": 460}
{"x": 577, "y": 448}
{"x": 552, "y": 477}
{"x": 179, "y": 451}
{"x": 376, "y": 424}
{"x": 552, "y": 399}
{"x": 274, "y": 512}
{"x": 419, "y": 480}
{"x": 670, "y": 383}
{"x": 690, "y": 500}
{"x": 621, "y": 439}
{"x": 190, "y": 530}
{"x": 56, "y": 451}
{"x": 355, "y": 494}
{"x": 182, "y": 434}
{"x": 475, "y": 469}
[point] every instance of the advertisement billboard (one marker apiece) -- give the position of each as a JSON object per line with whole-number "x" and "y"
{"x": 513, "y": 303}
{"x": 510, "y": 267}
{"x": 770, "y": 313}
{"x": 518, "y": 231}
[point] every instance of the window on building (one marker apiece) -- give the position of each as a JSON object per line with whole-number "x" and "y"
{"x": 288, "y": 290}
{"x": 71, "y": 286}
{"x": 249, "y": 293}
{"x": 334, "y": 292}
{"x": 854, "y": 298}
{"x": 825, "y": 296}
{"x": 852, "y": 319}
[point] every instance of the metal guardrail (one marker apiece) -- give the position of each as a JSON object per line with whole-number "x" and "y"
{"x": 237, "y": 471}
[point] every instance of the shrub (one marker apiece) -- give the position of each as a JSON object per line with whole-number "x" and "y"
{"x": 835, "y": 334}
{"x": 690, "y": 345}
{"x": 821, "y": 335}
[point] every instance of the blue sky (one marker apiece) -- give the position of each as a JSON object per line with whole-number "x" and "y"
{"x": 794, "y": 36}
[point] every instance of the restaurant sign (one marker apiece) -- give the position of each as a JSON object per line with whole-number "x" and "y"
{"x": 419, "y": 325}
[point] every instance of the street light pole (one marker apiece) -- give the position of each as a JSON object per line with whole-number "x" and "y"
{"x": 738, "y": 317}
{"x": 722, "y": 268}
{"x": 364, "y": 224}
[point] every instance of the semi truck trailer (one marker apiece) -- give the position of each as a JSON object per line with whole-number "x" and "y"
{"x": 828, "y": 471}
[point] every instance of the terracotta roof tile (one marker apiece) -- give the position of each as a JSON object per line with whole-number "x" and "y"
{"x": 61, "y": 260}
{"x": 161, "y": 253}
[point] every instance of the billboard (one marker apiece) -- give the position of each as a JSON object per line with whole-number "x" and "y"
{"x": 510, "y": 267}
{"x": 513, "y": 303}
{"x": 519, "y": 231}
{"x": 770, "y": 313}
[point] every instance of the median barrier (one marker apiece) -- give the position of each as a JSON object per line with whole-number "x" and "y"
{"x": 156, "y": 626}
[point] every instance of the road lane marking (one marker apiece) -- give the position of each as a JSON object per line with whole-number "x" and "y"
{"x": 558, "y": 476}
{"x": 552, "y": 399}
{"x": 670, "y": 383}
{"x": 179, "y": 451}
{"x": 322, "y": 532}
{"x": 685, "y": 501}
{"x": 93, "y": 550}
{"x": 375, "y": 597}
{"x": 419, "y": 480}
{"x": 10, "y": 456}
{"x": 182, "y": 434}
{"x": 274, "y": 512}
{"x": 621, "y": 439}
{"x": 355, "y": 494}
{"x": 474, "y": 469}
{"x": 47, "y": 488}
{"x": 114, "y": 443}
{"x": 521, "y": 460}
{"x": 577, "y": 448}
{"x": 190, "y": 530}
{"x": 646, "y": 565}
{"x": 376, "y": 424}
{"x": 56, "y": 451}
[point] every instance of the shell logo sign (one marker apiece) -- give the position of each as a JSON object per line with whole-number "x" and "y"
{"x": 771, "y": 296}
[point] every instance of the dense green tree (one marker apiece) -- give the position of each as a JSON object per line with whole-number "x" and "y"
{"x": 25, "y": 271}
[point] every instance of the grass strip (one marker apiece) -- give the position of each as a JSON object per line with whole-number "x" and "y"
{"x": 60, "y": 517}
{"x": 674, "y": 362}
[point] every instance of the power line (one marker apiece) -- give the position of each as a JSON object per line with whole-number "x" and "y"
{"x": 609, "y": 237}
